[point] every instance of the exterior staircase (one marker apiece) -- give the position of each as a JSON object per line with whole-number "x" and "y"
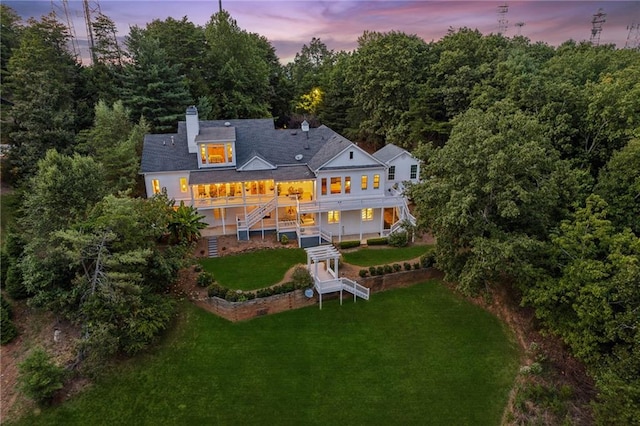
{"x": 256, "y": 215}
{"x": 212, "y": 243}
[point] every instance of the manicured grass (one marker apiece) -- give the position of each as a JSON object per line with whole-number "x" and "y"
{"x": 417, "y": 355}
{"x": 254, "y": 270}
{"x": 381, "y": 256}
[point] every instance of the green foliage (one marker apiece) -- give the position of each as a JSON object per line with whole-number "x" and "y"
{"x": 216, "y": 290}
{"x": 13, "y": 284}
{"x": 284, "y": 240}
{"x": 378, "y": 256}
{"x": 151, "y": 86}
{"x": 494, "y": 190}
{"x": 619, "y": 185}
{"x": 380, "y": 241}
{"x": 301, "y": 277}
{"x": 406, "y": 266}
{"x": 593, "y": 300}
{"x": 363, "y": 273}
{"x": 204, "y": 279}
{"x": 44, "y": 81}
{"x": 398, "y": 239}
{"x": 39, "y": 376}
{"x": 185, "y": 224}
{"x": 396, "y": 267}
{"x": 8, "y": 330}
{"x": 385, "y": 72}
{"x": 428, "y": 260}
{"x": 349, "y": 244}
{"x": 238, "y": 69}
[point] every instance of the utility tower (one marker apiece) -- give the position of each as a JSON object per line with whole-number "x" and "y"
{"x": 633, "y": 38}
{"x": 520, "y": 25}
{"x": 502, "y": 18}
{"x": 60, "y": 10}
{"x": 596, "y": 26}
{"x": 91, "y": 9}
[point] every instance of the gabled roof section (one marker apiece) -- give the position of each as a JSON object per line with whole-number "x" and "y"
{"x": 256, "y": 162}
{"x": 334, "y": 146}
{"x": 389, "y": 152}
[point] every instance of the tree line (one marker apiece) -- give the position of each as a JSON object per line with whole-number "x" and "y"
{"x": 531, "y": 156}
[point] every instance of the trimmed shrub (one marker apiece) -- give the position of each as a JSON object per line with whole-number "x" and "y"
{"x": 265, "y": 292}
{"x": 204, "y": 279}
{"x": 399, "y": 239}
{"x": 416, "y": 265}
{"x": 349, "y": 244}
{"x": 427, "y": 260}
{"x": 284, "y": 239}
{"x": 363, "y": 273}
{"x": 379, "y": 241}
{"x": 379, "y": 270}
{"x": 372, "y": 270}
{"x": 39, "y": 377}
{"x": 396, "y": 267}
{"x": 197, "y": 267}
{"x": 407, "y": 266}
{"x": 216, "y": 290}
{"x": 387, "y": 269}
{"x": 301, "y": 277}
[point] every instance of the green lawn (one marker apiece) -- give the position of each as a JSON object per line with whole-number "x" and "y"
{"x": 381, "y": 256}
{"x": 417, "y": 355}
{"x": 254, "y": 270}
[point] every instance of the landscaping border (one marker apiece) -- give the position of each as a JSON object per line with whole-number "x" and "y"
{"x": 242, "y": 311}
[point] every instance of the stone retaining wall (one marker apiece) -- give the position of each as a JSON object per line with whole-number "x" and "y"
{"x": 241, "y": 311}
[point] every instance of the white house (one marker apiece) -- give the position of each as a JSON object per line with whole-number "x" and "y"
{"x": 246, "y": 177}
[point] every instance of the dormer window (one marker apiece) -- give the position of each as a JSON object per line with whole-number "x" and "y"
{"x": 215, "y": 154}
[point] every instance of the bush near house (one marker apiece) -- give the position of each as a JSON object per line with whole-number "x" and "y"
{"x": 399, "y": 239}
{"x": 379, "y": 241}
{"x": 349, "y": 244}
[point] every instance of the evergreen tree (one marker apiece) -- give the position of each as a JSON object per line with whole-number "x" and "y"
{"x": 152, "y": 88}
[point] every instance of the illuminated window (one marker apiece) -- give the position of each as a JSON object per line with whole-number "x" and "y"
{"x": 334, "y": 216}
{"x": 376, "y": 181}
{"x": 219, "y": 214}
{"x": 392, "y": 172}
{"x": 364, "y": 182}
{"x": 347, "y": 185}
{"x": 229, "y": 153}
{"x": 183, "y": 185}
{"x": 367, "y": 214}
{"x": 155, "y": 184}
{"x": 336, "y": 185}
{"x": 215, "y": 154}
{"x": 414, "y": 171}
{"x": 203, "y": 154}
{"x": 324, "y": 186}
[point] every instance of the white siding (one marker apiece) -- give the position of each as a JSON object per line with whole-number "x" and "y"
{"x": 170, "y": 181}
{"x": 257, "y": 164}
{"x": 402, "y": 164}
{"x": 356, "y": 183}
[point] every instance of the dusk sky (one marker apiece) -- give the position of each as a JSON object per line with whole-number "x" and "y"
{"x": 339, "y": 23}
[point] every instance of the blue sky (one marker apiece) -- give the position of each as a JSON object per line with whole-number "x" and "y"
{"x": 289, "y": 24}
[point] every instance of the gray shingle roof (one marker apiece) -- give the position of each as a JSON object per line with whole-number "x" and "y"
{"x": 168, "y": 152}
{"x": 388, "y": 152}
{"x": 283, "y": 173}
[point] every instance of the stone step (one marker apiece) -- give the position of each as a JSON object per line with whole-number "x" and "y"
{"x": 212, "y": 244}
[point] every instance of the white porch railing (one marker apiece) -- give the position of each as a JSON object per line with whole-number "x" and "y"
{"x": 341, "y": 284}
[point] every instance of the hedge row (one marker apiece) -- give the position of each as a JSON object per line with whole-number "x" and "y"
{"x": 426, "y": 261}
